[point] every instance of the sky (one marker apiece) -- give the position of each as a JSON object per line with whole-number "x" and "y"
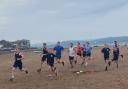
{"x": 61, "y": 20}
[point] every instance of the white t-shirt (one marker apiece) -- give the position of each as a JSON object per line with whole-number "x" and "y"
{"x": 114, "y": 45}
{"x": 72, "y": 52}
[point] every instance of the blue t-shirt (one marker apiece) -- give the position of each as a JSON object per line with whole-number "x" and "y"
{"x": 88, "y": 49}
{"x": 106, "y": 51}
{"x": 58, "y": 50}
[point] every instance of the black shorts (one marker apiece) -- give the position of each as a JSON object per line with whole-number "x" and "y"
{"x": 58, "y": 56}
{"x": 106, "y": 57}
{"x": 79, "y": 54}
{"x": 51, "y": 64}
{"x": 18, "y": 64}
{"x": 84, "y": 54}
{"x": 88, "y": 54}
{"x": 115, "y": 57}
{"x": 71, "y": 58}
{"x": 44, "y": 58}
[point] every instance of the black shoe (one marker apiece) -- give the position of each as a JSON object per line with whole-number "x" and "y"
{"x": 82, "y": 63}
{"x": 106, "y": 69}
{"x": 63, "y": 63}
{"x": 39, "y": 70}
{"x": 11, "y": 79}
{"x": 26, "y": 72}
{"x": 122, "y": 56}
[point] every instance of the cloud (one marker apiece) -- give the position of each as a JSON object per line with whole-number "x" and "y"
{"x": 84, "y": 8}
{"x": 4, "y": 20}
{"x": 58, "y": 19}
{"x": 8, "y": 3}
{"x": 7, "y": 8}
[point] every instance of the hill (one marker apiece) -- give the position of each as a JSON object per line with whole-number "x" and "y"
{"x": 108, "y": 40}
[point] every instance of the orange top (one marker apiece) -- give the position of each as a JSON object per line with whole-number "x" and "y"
{"x": 78, "y": 49}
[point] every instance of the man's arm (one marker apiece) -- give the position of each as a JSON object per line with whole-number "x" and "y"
{"x": 21, "y": 55}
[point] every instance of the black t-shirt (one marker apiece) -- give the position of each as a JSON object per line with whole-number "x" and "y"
{"x": 50, "y": 57}
{"x": 116, "y": 51}
{"x": 17, "y": 56}
{"x": 106, "y": 51}
{"x": 45, "y": 50}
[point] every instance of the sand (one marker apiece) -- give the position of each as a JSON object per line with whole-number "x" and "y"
{"x": 94, "y": 78}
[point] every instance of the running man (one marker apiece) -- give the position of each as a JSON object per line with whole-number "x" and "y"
{"x": 78, "y": 51}
{"x": 50, "y": 61}
{"x": 88, "y": 50}
{"x": 116, "y": 53}
{"x": 58, "y": 52}
{"x": 72, "y": 55}
{"x": 106, "y": 52}
{"x": 18, "y": 63}
{"x": 43, "y": 56}
{"x": 84, "y": 55}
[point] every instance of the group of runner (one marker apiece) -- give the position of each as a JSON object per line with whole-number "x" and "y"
{"x": 107, "y": 51}
{"x": 79, "y": 52}
{"x": 53, "y": 56}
